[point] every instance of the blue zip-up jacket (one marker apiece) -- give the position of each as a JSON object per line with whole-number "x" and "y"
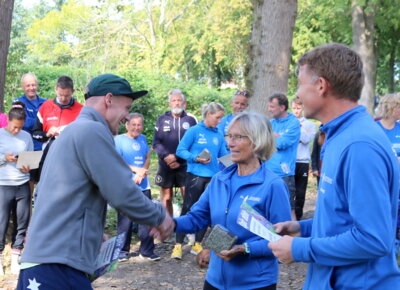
{"x": 223, "y": 127}
{"x": 196, "y": 139}
{"x": 266, "y": 193}
{"x": 350, "y": 242}
{"x": 283, "y": 162}
{"x": 167, "y": 134}
{"x": 31, "y": 109}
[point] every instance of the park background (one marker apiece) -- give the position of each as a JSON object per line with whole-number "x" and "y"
{"x": 206, "y": 48}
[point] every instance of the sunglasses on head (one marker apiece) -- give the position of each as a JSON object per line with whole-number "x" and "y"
{"x": 242, "y": 93}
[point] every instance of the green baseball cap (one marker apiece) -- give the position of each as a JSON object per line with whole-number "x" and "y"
{"x": 110, "y": 83}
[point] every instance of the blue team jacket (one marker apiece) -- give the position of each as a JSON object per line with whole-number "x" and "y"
{"x": 267, "y": 193}
{"x": 349, "y": 243}
{"x": 194, "y": 141}
{"x": 283, "y": 162}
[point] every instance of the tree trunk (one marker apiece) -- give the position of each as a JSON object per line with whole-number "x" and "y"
{"x": 363, "y": 21}
{"x": 391, "y": 69}
{"x": 6, "y": 9}
{"x": 270, "y": 50}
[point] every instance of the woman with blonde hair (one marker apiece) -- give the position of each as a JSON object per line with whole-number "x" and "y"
{"x": 389, "y": 111}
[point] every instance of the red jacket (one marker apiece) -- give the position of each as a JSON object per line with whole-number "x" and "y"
{"x": 52, "y": 114}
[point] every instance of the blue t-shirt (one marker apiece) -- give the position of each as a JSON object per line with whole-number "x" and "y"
{"x": 134, "y": 152}
{"x": 394, "y": 136}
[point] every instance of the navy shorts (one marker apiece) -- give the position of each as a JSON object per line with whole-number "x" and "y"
{"x": 169, "y": 178}
{"x": 53, "y": 276}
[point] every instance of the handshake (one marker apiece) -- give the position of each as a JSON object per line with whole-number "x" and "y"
{"x": 164, "y": 230}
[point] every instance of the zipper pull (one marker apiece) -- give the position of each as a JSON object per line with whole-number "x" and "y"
{"x": 226, "y": 211}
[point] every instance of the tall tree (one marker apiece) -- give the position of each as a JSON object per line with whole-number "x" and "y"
{"x": 270, "y": 52}
{"x": 6, "y": 9}
{"x": 363, "y": 24}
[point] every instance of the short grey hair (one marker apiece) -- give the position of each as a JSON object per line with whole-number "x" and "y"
{"x": 176, "y": 92}
{"x": 211, "y": 108}
{"x": 29, "y": 74}
{"x": 134, "y": 116}
{"x": 258, "y": 127}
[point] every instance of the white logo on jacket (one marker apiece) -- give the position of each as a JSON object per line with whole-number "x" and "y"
{"x": 185, "y": 125}
{"x": 215, "y": 141}
{"x": 136, "y": 146}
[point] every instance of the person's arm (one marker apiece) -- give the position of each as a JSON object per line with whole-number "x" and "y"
{"x": 307, "y": 132}
{"x": 290, "y": 137}
{"x": 198, "y": 217}
{"x": 314, "y": 154}
{"x": 366, "y": 191}
{"x": 158, "y": 146}
{"x": 183, "y": 150}
{"x": 113, "y": 178}
{"x": 37, "y": 130}
{"x": 141, "y": 172}
{"x": 277, "y": 210}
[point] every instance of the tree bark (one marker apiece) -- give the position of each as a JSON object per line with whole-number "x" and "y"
{"x": 6, "y": 10}
{"x": 363, "y": 22}
{"x": 270, "y": 50}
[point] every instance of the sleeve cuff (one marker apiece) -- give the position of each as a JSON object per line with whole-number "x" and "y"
{"x": 301, "y": 250}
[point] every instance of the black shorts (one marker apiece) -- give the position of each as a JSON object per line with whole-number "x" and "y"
{"x": 169, "y": 178}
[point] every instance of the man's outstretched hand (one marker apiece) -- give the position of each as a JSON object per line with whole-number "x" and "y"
{"x": 164, "y": 230}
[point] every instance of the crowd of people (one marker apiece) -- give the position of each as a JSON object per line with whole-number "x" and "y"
{"x": 351, "y": 242}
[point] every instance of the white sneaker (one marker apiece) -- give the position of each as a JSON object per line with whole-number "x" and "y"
{"x": 191, "y": 239}
{"x": 15, "y": 254}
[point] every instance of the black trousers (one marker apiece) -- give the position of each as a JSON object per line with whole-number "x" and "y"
{"x": 17, "y": 198}
{"x": 301, "y": 180}
{"x": 146, "y": 241}
{"x": 194, "y": 187}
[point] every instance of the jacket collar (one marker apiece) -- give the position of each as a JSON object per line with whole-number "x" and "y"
{"x": 341, "y": 122}
{"x": 203, "y": 125}
{"x": 226, "y": 174}
{"x": 91, "y": 114}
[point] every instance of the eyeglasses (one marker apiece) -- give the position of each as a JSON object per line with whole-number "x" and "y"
{"x": 243, "y": 93}
{"x": 239, "y": 138}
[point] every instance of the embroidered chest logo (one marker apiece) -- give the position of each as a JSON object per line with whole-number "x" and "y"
{"x": 215, "y": 141}
{"x": 136, "y": 146}
{"x": 185, "y": 125}
{"x": 202, "y": 139}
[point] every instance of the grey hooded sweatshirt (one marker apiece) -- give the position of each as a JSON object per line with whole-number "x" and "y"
{"x": 82, "y": 173}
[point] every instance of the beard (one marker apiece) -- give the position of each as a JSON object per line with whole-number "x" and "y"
{"x": 177, "y": 111}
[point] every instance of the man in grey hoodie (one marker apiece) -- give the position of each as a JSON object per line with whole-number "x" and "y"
{"x": 82, "y": 173}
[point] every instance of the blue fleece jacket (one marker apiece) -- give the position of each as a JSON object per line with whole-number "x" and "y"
{"x": 219, "y": 204}
{"x": 349, "y": 243}
{"x": 196, "y": 139}
{"x": 283, "y": 162}
{"x": 32, "y": 107}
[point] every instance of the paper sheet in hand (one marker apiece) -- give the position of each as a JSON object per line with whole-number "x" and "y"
{"x": 251, "y": 220}
{"x": 29, "y": 158}
{"x": 226, "y": 160}
{"x": 108, "y": 257}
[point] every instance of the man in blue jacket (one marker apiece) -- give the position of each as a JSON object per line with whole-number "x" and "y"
{"x": 286, "y": 128}
{"x": 349, "y": 244}
{"x": 33, "y": 102}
